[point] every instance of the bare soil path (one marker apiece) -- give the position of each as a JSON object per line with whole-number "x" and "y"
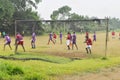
{"x": 105, "y": 74}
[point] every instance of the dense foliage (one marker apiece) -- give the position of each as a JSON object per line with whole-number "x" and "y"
{"x": 11, "y": 10}
{"x": 6, "y": 13}
{"x": 64, "y": 13}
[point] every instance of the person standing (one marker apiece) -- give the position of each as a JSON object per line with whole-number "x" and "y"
{"x": 68, "y": 40}
{"x": 94, "y": 36}
{"x": 8, "y": 41}
{"x": 113, "y": 35}
{"x": 33, "y": 40}
{"x": 60, "y": 37}
{"x": 19, "y": 41}
{"x": 74, "y": 40}
{"x": 88, "y": 45}
{"x": 3, "y": 34}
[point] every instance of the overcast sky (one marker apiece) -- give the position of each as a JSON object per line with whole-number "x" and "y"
{"x": 97, "y": 8}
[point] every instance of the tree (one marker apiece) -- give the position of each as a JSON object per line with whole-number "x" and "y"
{"x": 24, "y": 6}
{"x": 64, "y": 12}
{"x": 76, "y": 16}
{"x": 6, "y": 9}
{"x": 55, "y": 15}
{"x": 61, "y": 14}
{"x": 6, "y": 13}
{"x": 114, "y": 23}
{"x": 24, "y": 11}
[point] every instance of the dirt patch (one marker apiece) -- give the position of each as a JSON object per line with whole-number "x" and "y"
{"x": 75, "y": 55}
{"x": 69, "y": 55}
{"x": 105, "y": 74}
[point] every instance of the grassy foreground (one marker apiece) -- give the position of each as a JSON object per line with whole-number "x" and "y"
{"x": 41, "y": 70}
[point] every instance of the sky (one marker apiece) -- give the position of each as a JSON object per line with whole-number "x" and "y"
{"x": 96, "y": 8}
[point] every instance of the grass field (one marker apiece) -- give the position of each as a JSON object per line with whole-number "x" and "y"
{"x": 56, "y": 60}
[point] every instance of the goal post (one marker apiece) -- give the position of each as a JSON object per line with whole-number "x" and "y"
{"x": 66, "y": 24}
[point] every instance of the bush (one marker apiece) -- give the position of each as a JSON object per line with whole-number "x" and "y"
{"x": 10, "y": 70}
{"x": 16, "y": 71}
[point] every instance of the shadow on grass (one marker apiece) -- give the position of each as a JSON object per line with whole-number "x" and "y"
{"x": 104, "y": 58}
{"x": 46, "y": 58}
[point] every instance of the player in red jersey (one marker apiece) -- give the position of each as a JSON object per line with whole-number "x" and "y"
{"x": 86, "y": 36}
{"x": 89, "y": 45}
{"x": 54, "y": 37}
{"x": 113, "y": 34}
{"x": 68, "y": 40}
{"x": 19, "y": 41}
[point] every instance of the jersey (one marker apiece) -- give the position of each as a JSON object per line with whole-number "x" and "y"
{"x": 54, "y": 36}
{"x": 89, "y": 41}
{"x": 33, "y": 37}
{"x": 7, "y": 38}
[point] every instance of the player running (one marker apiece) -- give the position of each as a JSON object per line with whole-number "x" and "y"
{"x": 74, "y": 40}
{"x": 8, "y": 41}
{"x": 89, "y": 45}
{"x": 50, "y": 38}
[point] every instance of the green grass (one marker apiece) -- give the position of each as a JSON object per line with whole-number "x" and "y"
{"x": 38, "y": 70}
{"x": 50, "y": 64}
{"x": 43, "y": 57}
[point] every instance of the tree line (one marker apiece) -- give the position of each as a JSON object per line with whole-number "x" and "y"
{"x": 11, "y": 10}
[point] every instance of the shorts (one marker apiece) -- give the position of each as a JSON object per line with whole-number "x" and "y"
{"x": 32, "y": 41}
{"x": 50, "y": 39}
{"x": 73, "y": 42}
{"x": 94, "y": 39}
{"x": 54, "y": 38}
{"x": 20, "y": 42}
{"x": 8, "y": 42}
{"x": 88, "y": 46}
{"x": 113, "y": 36}
{"x": 68, "y": 42}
